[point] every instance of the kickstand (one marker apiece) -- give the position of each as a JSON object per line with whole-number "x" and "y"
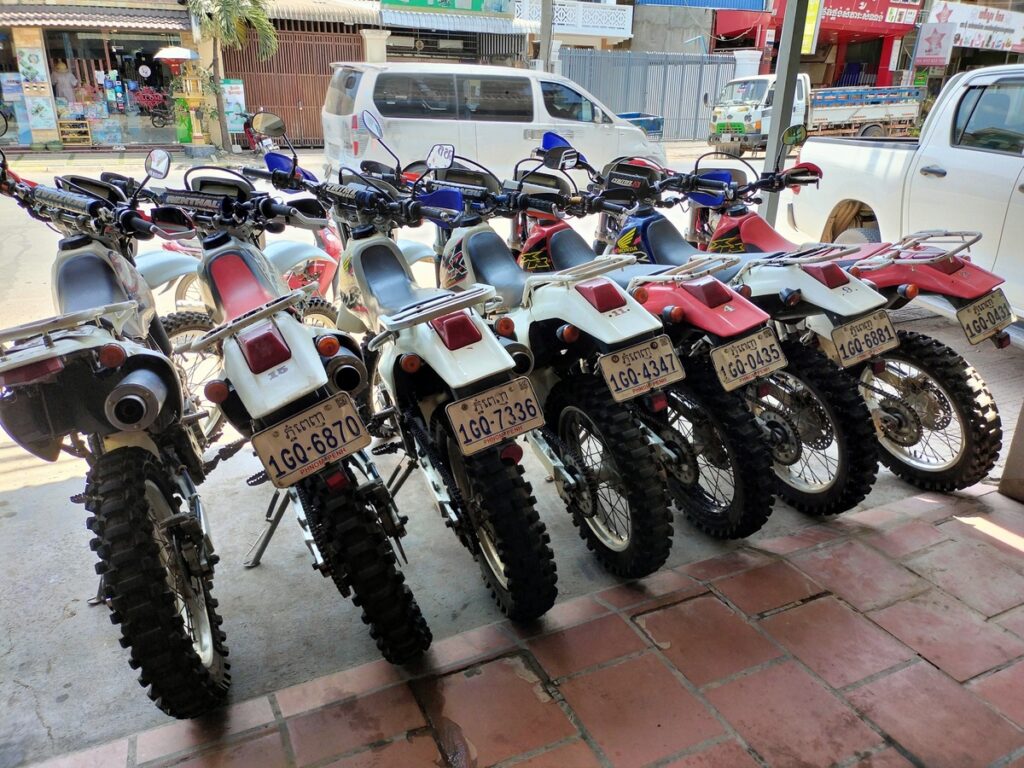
{"x": 99, "y": 599}
{"x": 275, "y": 511}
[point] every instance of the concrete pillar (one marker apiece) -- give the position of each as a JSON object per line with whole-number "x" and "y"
{"x": 884, "y": 72}
{"x": 840, "y": 63}
{"x": 375, "y": 45}
{"x": 1012, "y": 484}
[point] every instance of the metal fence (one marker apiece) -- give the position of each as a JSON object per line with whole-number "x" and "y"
{"x": 681, "y": 87}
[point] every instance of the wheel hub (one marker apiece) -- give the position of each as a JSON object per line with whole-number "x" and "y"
{"x": 783, "y": 437}
{"x": 930, "y": 405}
{"x": 684, "y": 470}
{"x": 901, "y": 424}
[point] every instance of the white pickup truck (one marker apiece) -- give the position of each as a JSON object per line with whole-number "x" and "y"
{"x": 965, "y": 172}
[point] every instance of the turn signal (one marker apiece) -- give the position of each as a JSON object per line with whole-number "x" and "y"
{"x": 745, "y": 291}
{"x": 790, "y": 296}
{"x": 410, "y": 363}
{"x": 328, "y": 346}
{"x": 568, "y": 334}
{"x": 640, "y": 294}
{"x": 855, "y": 271}
{"x": 112, "y": 356}
{"x": 506, "y": 326}
{"x": 908, "y": 290}
{"x": 1001, "y": 340}
{"x": 216, "y": 391}
{"x": 673, "y": 314}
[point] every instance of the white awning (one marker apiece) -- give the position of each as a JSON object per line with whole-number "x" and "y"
{"x": 339, "y": 11}
{"x": 458, "y": 22}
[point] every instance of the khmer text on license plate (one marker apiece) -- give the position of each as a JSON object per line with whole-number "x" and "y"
{"x": 638, "y": 369}
{"x": 750, "y": 358}
{"x": 495, "y": 415}
{"x": 864, "y": 338}
{"x": 986, "y": 317}
{"x": 297, "y": 447}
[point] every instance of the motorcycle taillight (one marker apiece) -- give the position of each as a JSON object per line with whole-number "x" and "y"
{"x": 710, "y": 291}
{"x": 456, "y": 330}
{"x": 602, "y": 294}
{"x": 263, "y": 347}
{"x": 948, "y": 266}
{"x": 828, "y": 274}
{"x": 31, "y": 372}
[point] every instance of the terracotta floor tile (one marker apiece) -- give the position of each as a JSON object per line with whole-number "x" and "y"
{"x": 654, "y": 586}
{"x": 977, "y": 490}
{"x": 876, "y": 517}
{"x": 585, "y": 645}
{"x": 184, "y": 734}
{"x": 973, "y": 573}
{"x": 1013, "y": 621}
{"x": 561, "y": 616}
{"x": 725, "y": 565}
{"x": 111, "y": 755}
{"x": 859, "y": 574}
{"x": 343, "y": 727}
{"x": 834, "y": 641}
{"x": 802, "y": 539}
{"x": 728, "y": 754}
{"x": 790, "y": 719}
{"x": 466, "y": 648}
{"x": 264, "y": 752}
{"x": 993, "y": 530}
{"x": 1004, "y": 690}
{"x": 498, "y": 709}
{"x": 638, "y": 712}
{"x": 420, "y": 751}
{"x": 887, "y": 758}
{"x": 575, "y": 755}
{"x": 337, "y": 687}
{"x": 768, "y": 587}
{"x": 960, "y": 732}
{"x": 705, "y": 640}
{"x": 949, "y": 635}
{"x": 903, "y": 539}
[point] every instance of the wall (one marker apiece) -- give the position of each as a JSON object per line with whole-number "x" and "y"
{"x": 664, "y": 28}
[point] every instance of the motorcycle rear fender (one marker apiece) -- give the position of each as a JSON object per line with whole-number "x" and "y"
{"x": 264, "y": 393}
{"x": 161, "y": 267}
{"x": 731, "y": 318}
{"x": 967, "y": 283}
{"x": 286, "y": 255}
{"x": 414, "y": 251}
{"x": 564, "y": 302}
{"x": 852, "y": 299}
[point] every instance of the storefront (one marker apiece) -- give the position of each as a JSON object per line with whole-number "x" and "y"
{"x": 78, "y": 77}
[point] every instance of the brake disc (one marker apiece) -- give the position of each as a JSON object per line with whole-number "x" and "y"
{"x": 931, "y": 405}
{"x": 813, "y": 424}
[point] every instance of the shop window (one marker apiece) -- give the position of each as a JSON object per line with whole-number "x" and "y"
{"x": 991, "y": 119}
{"x": 496, "y": 99}
{"x": 427, "y": 97}
{"x": 564, "y": 103}
{"x": 341, "y": 93}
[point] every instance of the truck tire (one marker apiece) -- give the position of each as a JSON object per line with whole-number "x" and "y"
{"x": 859, "y": 236}
{"x": 728, "y": 149}
{"x": 873, "y": 131}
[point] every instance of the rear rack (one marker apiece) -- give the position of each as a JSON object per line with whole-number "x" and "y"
{"x": 810, "y": 255}
{"x": 121, "y": 313}
{"x": 577, "y": 274}
{"x": 249, "y": 318}
{"x": 429, "y": 309}
{"x": 949, "y": 243}
{"x": 691, "y": 270}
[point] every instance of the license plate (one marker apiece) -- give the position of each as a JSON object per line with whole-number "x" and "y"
{"x": 743, "y": 361}
{"x": 864, "y": 338}
{"x": 986, "y": 317}
{"x": 638, "y": 369}
{"x": 297, "y": 447}
{"x": 497, "y": 414}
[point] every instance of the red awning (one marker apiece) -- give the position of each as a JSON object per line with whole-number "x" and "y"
{"x": 736, "y": 23}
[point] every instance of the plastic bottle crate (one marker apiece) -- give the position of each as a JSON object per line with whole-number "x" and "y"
{"x": 652, "y": 125}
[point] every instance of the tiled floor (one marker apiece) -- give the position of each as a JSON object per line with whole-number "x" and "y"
{"x": 891, "y": 637}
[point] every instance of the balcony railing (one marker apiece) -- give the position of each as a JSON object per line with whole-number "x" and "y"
{"x": 582, "y": 18}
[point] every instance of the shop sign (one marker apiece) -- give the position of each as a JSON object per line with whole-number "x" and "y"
{"x": 870, "y": 15}
{"x": 934, "y": 44}
{"x": 234, "y": 104}
{"x": 978, "y": 26}
{"x": 482, "y": 7}
{"x": 921, "y": 78}
{"x": 812, "y": 26}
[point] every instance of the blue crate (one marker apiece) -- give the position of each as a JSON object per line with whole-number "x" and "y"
{"x": 652, "y": 125}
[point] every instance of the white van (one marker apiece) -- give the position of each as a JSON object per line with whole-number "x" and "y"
{"x": 494, "y": 115}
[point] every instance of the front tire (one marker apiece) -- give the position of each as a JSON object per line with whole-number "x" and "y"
{"x": 945, "y": 432}
{"x": 167, "y": 615}
{"x": 621, "y": 507}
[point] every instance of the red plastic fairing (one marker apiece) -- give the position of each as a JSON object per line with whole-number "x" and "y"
{"x": 968, "y": 282}
{"x": 534, "y": 256}
{"x": 755, "y": 235}
{"x": 240, "y": 291}
{"x": 730, "y": 318}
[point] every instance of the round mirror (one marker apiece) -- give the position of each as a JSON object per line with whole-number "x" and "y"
{"x": 794, "y": 135}
{"x": 268, "y": 124}
{"x": 372, "y": 125}
{"x": 158, "y": 163}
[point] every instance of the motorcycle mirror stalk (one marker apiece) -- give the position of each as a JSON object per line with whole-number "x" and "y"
{"x": 372, "y": 125}
{"x": 273, "y": 126}
{"x": 793, "y": 136}
{"x": 158, "y": 166}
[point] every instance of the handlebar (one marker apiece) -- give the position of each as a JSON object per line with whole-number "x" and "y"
{"x": 71, "y": 202}
{"x": 258, "y": 173}
{"x": 272, "y": 209}
{"x": 130, "y": 221}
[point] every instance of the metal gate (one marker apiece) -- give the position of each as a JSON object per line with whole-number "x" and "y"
{"x": 292, "y": 83}
{"x": 682, "y": 87}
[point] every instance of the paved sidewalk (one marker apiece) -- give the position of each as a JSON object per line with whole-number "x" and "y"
{"x": 888, "y": 637}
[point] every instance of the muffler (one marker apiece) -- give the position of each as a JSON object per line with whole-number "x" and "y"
{"x": 521, "y": 356}
{"x": 136, "y": 401}
{"x": 346, "y": 372}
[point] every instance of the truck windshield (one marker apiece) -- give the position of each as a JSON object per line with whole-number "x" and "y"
{"x": 743, "y": 92}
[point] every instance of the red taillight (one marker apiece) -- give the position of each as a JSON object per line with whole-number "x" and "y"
{"x": 828, "y": 274}
{"x": 263, "y": 347}
{"x": 336, "y": 480}
{"x": 709, "y": 291}
{"x": 658, "y": 402}
{"x": 355, "y": 122}
{"x": 456, "y": 330}
{"x": 948, "y": 266}
{"x": 31, "y": 372}
{"x": 603, "y": 295}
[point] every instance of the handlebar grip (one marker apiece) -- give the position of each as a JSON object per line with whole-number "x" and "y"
{"x": 273, "y": 210}
{"x": 132, "y": 222}
{"x": 258, "y": 173}
{"x": 703, "y": 184}
{"x": 604, "y": 206}
{"x": 537, "y": 204}
{"x": 435, "y": 213}
{"x": 67, "y": 201}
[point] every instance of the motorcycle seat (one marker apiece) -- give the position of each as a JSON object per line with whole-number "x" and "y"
{"x": 495, "y": 265}
{"x": 390, "y": 288}
{"x": 569, "y": 250}
{"x": 668, "y": 246}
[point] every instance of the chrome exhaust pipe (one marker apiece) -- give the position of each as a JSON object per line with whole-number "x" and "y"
{"x": 521, "y": 356}
{"x": 346, "y": 372}
{"x": 136, "y": 401}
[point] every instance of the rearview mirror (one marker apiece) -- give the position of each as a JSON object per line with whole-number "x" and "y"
{"x": 268, "y": 124}
{"x": 372, "y": 125}
{"x": 441, "y": 157}
{"x": 561, "y": 158}
{"x": 158, "y": 163}
{"x": 794, "y": 135}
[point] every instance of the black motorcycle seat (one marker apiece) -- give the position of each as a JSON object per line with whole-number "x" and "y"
{"x": 390, "y": 289}
{"x": 668, "y": 245}
{"x": 568, "y": 249}
{"x": 87, "y": 282}
{"x": 495, "y": 265}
